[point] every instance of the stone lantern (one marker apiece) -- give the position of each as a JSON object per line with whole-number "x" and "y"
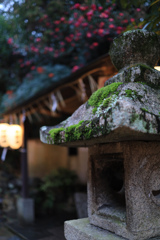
{"x": 120, "y": 124}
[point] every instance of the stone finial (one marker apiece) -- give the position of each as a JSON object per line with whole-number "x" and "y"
{"x": 135, "y": 47}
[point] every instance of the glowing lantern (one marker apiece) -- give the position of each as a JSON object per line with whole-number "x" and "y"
{"x": 157, "y": 68}
{"x": 4, "y": 135}
{"x": 15, "y": 137}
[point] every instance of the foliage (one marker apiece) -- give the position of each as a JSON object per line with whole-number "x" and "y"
{"x": 151, "y": 20}
{"x": 49, "y": 33}
{"x": 55, "y": 189}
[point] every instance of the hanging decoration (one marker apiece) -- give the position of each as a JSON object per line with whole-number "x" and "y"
{"x": 4, "y": 135}
{"x": 15, "y": 136}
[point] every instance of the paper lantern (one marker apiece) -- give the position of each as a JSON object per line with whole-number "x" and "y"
{"x": 15, "y": 136}
{"x": 157, "y": 68}
{"x": 4, "y": 135}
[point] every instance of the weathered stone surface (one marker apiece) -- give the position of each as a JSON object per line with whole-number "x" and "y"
{"x": 138, "y": 46}
{"x": 82, "y": 230}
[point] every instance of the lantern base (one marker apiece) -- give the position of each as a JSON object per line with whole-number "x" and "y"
{"x": 25, "y": 208}
{"x": 82, "y": 229}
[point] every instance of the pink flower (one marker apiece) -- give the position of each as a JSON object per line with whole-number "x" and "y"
{"x": 50, "y": 49}
{"x": 103, "y": 15}
{"x": 100, "y": 8}
{"x": 111, "y": 26}
{"x": 132, "y": 19}
{"x": 89, "y": 13}
{"x": 62, "y": 19}
{"x": 138, "y": 9}
{"x": 77, "y": 5}
{"x": 83, "y": 8}
{"x": 10, "y": 41}
{"x": 111, "y": 19}
{"x": 62, "y": 43}
{"x": 75, "y": 68}
{"x": 89, "y": 35}
{"x": 121, "y": 14}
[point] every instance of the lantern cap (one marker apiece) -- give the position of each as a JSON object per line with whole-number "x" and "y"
{"x": 126, "y": 108}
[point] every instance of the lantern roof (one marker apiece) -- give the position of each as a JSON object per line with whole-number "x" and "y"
{"x": 127, "y": 107}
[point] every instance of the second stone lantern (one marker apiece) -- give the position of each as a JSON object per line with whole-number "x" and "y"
{"x": 120, "y": 124}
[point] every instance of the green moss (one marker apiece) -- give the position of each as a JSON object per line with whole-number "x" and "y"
{"x": 133, "y": 94}
{"x": 145, "y": 110}
{"x": 54, "y": 133}
{"x": 98, "y": 97}
{"x": 73, "y": 132}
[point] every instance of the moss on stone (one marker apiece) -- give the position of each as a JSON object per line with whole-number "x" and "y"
{"x": 73, "y": 132}
{"x": 145, "y": 110}
{"x": 54, "y": 133}
{"x": 133, "y": 94}
{"x": 98, "y": 97}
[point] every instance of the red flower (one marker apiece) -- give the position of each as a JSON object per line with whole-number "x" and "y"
{"x": 9, "y": 92}
{"x": 33, "y": 67}
{"x": 56, "y": 29}
{"x": 100, "y": 31}
{"x": 38, "y": 39}
{"x": 22, "y": 65}
{"x": 93, "y": 6}
{"x": 57, "y": 22}
{"x": 68, "y": 39}
{"x": 132, "y": 19}
{"x": 101, "y": 25}
{"x": 28, "y": 63}
{"x": 111, "y": 26}
{"x": 95, "y": 44}
{"x": 10, "y": 41}
{"x": 125, "y": 21}
{"x": 50, "y": 75}
{"x": 62, "y": 50}
{"x": 121, "y": 14}
{"x": 138, "y": 9}
{"x": 75, "y": 68}
{"x": 40, "y": 70}
{"x": 85, "y": 24}
{"x": 83, "y": 8}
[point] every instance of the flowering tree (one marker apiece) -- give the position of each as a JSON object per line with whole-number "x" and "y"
{"x": 53, "y": 33}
